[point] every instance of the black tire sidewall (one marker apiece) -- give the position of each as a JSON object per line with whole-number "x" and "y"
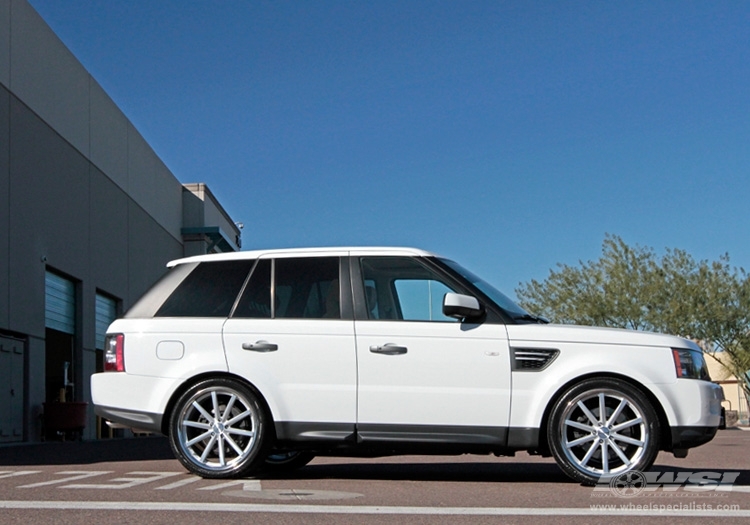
{"x": 302, "y": 458}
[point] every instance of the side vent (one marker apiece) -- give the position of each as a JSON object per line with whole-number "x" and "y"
{"x": 532, "y": 359}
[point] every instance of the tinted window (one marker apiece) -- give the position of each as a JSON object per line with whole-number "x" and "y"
{"x": 153, "y": 299}
{"x": 307, "y": 288}
{"x": 421, "y": 299}
{"x": 208, "y": 291}
{"x": 402, "y": 288}
{"x": 500, "y": 299}
{"x": 256, "y": 299}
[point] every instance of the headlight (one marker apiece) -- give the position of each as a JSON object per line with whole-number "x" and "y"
{"x": 690, "y": 364}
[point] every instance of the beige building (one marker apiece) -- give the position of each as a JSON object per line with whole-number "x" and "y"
{"x": 733, "y": 392}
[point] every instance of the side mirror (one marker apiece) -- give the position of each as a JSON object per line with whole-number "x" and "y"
{"x": 461, "y": 306}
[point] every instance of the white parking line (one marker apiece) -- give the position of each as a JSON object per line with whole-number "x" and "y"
{"x": 247, "y": 484}
{"x": 72, "y": 475}
{"x": 132, "y": 480}
{"x": 178, "y": 484}
{"x": 14, "y": 473}
{"x": 355, "y": 509}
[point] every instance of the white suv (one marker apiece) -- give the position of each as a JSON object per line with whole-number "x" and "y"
{"x": 264, "y": 359}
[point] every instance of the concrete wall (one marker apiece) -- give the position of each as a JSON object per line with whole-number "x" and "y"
{"x": 5, "y": 42}
{"x": 4, "y": 206}
{"x": 81, "y": 193}
{"x": 45, "y": 75}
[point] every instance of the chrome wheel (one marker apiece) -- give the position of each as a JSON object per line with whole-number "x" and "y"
{"x": 601, "y": 429}
{"x": 604, "y": 433}
{"x": 217, "y": 429}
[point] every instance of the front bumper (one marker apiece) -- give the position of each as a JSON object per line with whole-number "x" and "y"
{"x": 691, "y": 437}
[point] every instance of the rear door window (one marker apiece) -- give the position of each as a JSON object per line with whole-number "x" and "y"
{"x": 308, "y": 288}
{"x": 303, "y": 288}
{"x": 255, "y": 302}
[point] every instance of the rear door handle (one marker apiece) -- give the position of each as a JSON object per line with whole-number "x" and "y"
{"x": 260, "y": 346}
{"x": 388, "y": 349}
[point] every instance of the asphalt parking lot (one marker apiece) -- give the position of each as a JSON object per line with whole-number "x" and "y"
{"x": 138, "y": 480}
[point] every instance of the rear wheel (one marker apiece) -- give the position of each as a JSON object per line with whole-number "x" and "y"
{"x": 218, "y": 429}
{"x": 285, "y": 461}
{"x": 601, "y": 429}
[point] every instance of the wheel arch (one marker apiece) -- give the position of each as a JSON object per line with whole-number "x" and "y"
{"x": 189, "y": 383}
{"x": 665, "y": 437}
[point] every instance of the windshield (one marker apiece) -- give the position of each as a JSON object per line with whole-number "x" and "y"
{"x": 498, "y": 297}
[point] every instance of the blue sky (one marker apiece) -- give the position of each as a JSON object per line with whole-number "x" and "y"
{"x": 510, "y": 136}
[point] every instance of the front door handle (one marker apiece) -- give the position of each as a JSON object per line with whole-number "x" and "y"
{"x": 260, "y": 346}
{"x": 388, "y": 349}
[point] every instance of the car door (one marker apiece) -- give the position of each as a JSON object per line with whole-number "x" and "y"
{"x": 292, "y": 337}
{"x": 424, "y": 376}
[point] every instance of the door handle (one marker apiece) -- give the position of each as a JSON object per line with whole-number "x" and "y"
{"x": 260, "y": 346}
{"x": 388, "y": 349}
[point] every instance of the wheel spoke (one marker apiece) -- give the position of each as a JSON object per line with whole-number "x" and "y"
{"x": 602, "y": 409}
{"x": 581, "y": 441}
{"x": 234, "y": 445}
{"x": 207, "y": 451}
{"x": 198, "y": 439}
{"x": 620, "y": 454}
{"x": 579, "y": 426}
{"x": 228, "y": 408}
{"x": 215, "y": 403}
{"x": 240, "y": 432}
{"x": 238, "y": 417}
{"x": 628, "y": 440}
{"x": 617, "y": 412}
{"x": 591, "y": 451}
{"x": 203, "y": 411}
{"x": 589, "y": 415}
{"x": 627, "y": 424}
{"x": 196, "y": 424}
{"x": 222, "y": 459}
{"x": 605, "y": 456}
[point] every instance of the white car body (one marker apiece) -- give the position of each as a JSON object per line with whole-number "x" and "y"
{"x": 376, "y": 378}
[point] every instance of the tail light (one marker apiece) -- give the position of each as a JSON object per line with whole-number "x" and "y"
{"x": 114, "y": 347}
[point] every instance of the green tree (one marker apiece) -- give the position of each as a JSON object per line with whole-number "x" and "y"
{"x": 634, "y": 288}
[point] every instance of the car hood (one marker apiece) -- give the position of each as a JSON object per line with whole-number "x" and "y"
{"x": 559, "y": 333}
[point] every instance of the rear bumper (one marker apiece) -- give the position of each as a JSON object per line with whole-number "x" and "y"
{"x": 136, "y": 420}
{"x": 132, "y": 400}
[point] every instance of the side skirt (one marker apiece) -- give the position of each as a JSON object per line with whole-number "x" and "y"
{"x": 370, "y": 435}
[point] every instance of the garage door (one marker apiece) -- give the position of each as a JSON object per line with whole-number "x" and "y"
{"x": 60, "y": 304}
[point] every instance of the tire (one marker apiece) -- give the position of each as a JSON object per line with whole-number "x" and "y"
{"x": 218, "y": 429}
{"x": 286, "y": 461}
{"x": 591, "y": 449}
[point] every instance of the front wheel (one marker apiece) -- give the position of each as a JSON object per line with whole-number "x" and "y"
{"x": 218, "y": 429}
{"x": 602, "y": 428}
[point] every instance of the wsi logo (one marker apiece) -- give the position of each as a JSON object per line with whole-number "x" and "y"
{"x": 636, "y": 483}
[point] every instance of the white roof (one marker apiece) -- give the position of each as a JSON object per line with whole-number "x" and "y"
{"x": 306, "y": 252}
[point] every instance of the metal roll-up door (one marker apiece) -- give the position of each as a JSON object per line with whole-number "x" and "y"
{"x": 106, "y": 312}
{"x": 60, "y": 304}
